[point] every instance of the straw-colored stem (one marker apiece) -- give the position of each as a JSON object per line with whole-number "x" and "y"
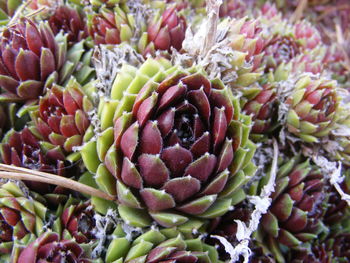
{"x": 213, "y": 7}
{"x": 298, "y": 13}
{"x": 19, "y": 173}
{"x": 331, "y": 10}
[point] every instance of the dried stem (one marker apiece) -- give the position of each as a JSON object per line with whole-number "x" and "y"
{"x": 341, "y": 43}
{"x": 331, "y": 10}
{"x": 19, "y": 173}
{"x": 213, "y": 7}
{"x": 298, "y": 13}
{"x": 18, "y": 13}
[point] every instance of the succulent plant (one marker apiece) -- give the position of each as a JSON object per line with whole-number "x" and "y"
{"x": 62, "y": 115}
{"x": 295, "y": 215}
{"x": 11, "y": 118}
{"x": 335, "y": 62}
{"x": 24, "y": 149}
{"x": 281, "y": 49}
{"x": 342, "y": 151}
{"x": 261, "y": 102}
{"x": 307, "y": 62}
{"x": 259, "y": 255}
{"x": 307, "y": 35}
{"x": 226, "y": 226}
{"x": 236, "y": 9}
{"x": 49, "y": 247}
{"x": 158, "y": 117}
{"x": 78, "y": 220}
{"x": 180, "y": 4}
{"x": 29, "y": 55}
{"x": 108, "y": 3}
{"x": 335, "y": 248}
{"x": 245, "y": 37}
{"x": 166, "y": 30}
{"x": 69, "y": 20}
{"x": 111, "y": 26}
{"x": 78, "y": 65}
{"x": 337, "y": 209}
{"x": 171, "y": 117}
{"x": 19, "y": 215}
{"x": 37, "y": 4}
{"x": 156, "y": 246}
{"x": 313, "y": 108}
{"x": 269, "y": 10}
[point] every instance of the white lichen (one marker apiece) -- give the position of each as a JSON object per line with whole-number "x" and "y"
{"x": 261, "y": 204}
{"x": 332, "y": 171}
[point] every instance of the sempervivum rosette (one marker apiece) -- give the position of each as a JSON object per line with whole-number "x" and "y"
{"x": 109, "y": 3}
{"x": 233, "y": 8}
{"x": 165, "y": 31}
{"x": 313, "y": 108}
{"x": 111, "y": 26}
{"x": 342, "y": 153}
{"x": 10, "y": 119}
{"x": 157, "y": 246}
{"x": 62, "y": 115}
{"x": 226, "y": 226}
{"x": 335, "y": 60}
{"x": 337, "y": 208}
{"x": 19, "y": 215}
{"x": 269, "y": 11}
{"x": 77, "y": 220}
{"x": 295, "y": 214}
{"x": 29, "y": 55}
{"x": 260, "y": 102}
{"x": 178, "y": 147}
{"x": 246, "y": 38}
{"x": 26, "y": 149}
{"x": 334, "y": 248}
{"x": 308, "y": 62}
{"x": 307, "y": 35}
{"x": 49, "y": 247}
{"x": 281, "y": 49}
{"x": 70, "y": 21}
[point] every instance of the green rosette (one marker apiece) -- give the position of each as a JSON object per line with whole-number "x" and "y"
{"x": 155, "y": 153}
{"x": 20, "y": 216}
{"x": 161, "y": 245}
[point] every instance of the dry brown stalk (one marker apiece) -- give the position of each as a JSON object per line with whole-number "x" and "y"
{"x": 20, "y": 173}
{"x": 298, "y": 13}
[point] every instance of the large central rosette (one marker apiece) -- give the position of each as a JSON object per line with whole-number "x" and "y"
{"x": 178, "y": 147}
{"x": 177, "y": 142}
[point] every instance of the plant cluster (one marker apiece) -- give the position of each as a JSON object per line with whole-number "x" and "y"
{"x": 174, "y": 131}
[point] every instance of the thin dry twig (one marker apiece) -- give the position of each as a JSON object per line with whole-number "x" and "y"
{"x": 331, "y": 10}
{"x": 20, "y": 173}
{"x": 298, "y": 13}
{"x": 213, "y": 7}
{"x": 341, "y": 44}
{"x": 18, "y": 13}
